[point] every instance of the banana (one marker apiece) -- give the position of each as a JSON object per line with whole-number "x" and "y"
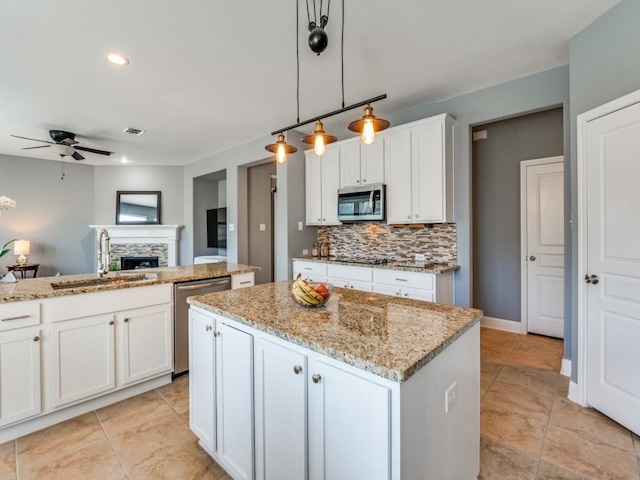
{"x": 302, "y": 296}
{"x": 308, "y": 289}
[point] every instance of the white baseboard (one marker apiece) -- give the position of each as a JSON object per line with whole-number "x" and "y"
{"x": 565, "y": 369}
{"x": 574, "y": 394}
{"x": 500, "y": 324}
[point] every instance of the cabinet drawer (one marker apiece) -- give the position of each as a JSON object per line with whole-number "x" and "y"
{"x": 307, "y": 268}
{"x": 399, "y": 278}
{"x": 19, "y": 314}
{"x": 418, "y": 294}
{"x": 360, "y": 274}
{"x": 243, "y": 280}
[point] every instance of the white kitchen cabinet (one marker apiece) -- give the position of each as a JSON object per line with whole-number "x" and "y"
{"x": 146, "y": 342}
{"x": 243, "y": 280}
{"x": 281, "y": 411}
{"x": 355, "y": 278}
{"x": 415, "y": 285}
{"x": 310, "y": 271}
{"x": 221, "y": 392}
{"x": 419, "y": 166}
{"x": 83, "y": 358}
{"x": 349, "y": 424}
{"x": 20, "y": 395}
{"x": 361, "y": 164}
{"x": 322, "y": 180}
{"x": 202, "y": 400}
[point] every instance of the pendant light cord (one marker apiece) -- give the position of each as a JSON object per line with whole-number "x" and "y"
{"x": 298, "y": 57}
{"x": 341, "y": 50}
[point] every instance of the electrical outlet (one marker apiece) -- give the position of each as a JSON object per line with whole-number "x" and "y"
{"x": 305, "y": 251}
{"x": 420, "y": 257}
{"x": 450, "y": 397}
{"x": 299, "y": 225}
{"x": 332, "y": 253}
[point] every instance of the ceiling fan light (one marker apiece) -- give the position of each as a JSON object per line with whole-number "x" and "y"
{"x": 63, "y": 150}
{"x": 368, "y": 125}
{"x": 281, "y": 149}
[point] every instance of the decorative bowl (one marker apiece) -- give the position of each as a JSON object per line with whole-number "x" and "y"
{"x": 308, "y": 299}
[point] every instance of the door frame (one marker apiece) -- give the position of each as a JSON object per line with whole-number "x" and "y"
{"x": 579, "y": 393}
{"x": 524, "y": 280}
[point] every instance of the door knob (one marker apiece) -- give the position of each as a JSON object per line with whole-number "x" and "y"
{"x": 532, "y": 258}
{"x": 593, "y": 279}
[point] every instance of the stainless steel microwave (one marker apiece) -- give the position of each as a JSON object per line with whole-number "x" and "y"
{"x": 361, "y": 203}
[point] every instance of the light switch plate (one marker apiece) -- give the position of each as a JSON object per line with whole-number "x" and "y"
{"x": 232, "y": 227}
{"x": 299, "y": 225}
{"x": 305, "y": 251}
{"x": 263, "y": 227}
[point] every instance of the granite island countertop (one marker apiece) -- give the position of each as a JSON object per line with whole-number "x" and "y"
{"x": 41, "y": 287}
{"x": 389, "y": 336}
{"x": 406, "y": 266}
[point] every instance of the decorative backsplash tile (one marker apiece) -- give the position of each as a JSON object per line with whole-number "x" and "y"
{"x": 159, "y": 250}
{"x": 366, "y": 240}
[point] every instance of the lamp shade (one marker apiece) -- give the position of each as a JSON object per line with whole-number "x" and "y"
{"x": 368, "y": 125}
{"x": 21, "y": 247}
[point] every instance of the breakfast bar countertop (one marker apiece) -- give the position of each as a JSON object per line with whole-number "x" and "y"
{"x": 404, "y": 265}
{"x": 44, "y": 287}
{"x": 389, "y": 336}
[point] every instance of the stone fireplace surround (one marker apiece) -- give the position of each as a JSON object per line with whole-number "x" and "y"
{"x": 145, "y": 240}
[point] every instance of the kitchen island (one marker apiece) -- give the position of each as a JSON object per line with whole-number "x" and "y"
{"x": 368, "y": 387}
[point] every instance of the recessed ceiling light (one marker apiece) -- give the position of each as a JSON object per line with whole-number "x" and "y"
{"x": 117, "y": 59}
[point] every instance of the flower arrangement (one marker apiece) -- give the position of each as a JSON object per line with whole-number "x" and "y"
{"x": 5, "y": 204}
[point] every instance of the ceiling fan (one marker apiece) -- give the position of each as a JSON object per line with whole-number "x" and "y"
{"x": 64, "y": 144}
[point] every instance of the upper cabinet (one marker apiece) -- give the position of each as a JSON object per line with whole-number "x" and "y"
{"x": 419, "y": 164}
{"x": 322, "y": 183}
{"x": 361, "y": 164}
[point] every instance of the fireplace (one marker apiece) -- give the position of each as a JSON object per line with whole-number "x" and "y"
{"x": 131, "y": 263}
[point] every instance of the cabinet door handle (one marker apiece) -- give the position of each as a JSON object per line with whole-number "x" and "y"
{"x": 36, "y": 338}
{"x": 357, "y": 181}
{"x": 316, "y": 378}
{"x": 207, "y": 328}
{"x": 216, "y": 334}
{"x": 111, "y": 322}
{"x": 246, "y": 282}
{"x": 18, "y": 317}
{"x": 402, "y": 280}
{"x": 409, "y": 217}
{"x": 297, "y": 369}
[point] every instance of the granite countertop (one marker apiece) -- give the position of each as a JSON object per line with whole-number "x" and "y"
{"x": 389, "y": 336}
{"x": 41, "y": 287}
{"x": 407, "y": 266}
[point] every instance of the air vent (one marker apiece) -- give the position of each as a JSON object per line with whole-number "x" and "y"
{"x": 133, "y": 131}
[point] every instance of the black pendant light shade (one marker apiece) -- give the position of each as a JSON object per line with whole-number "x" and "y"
{"x": 319, "y": 138}
{"x": 368, "y": 125}
{"x": 281, "y": 148}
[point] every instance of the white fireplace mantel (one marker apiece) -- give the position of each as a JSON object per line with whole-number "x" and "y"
{"x": 127, "y": 234}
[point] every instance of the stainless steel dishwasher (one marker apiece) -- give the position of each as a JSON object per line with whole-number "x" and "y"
{"x": 181, "y": 316}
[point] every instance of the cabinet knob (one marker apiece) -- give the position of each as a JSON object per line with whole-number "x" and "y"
{"x": 357, "y": 181}
{"x": 409, "y": 217}
{"x": 207, "y": 328}
{"x": 406, "y": 294}
{"x": 364, "y": 180}
{"x": 297, "y": 369}
{"x": 216, "y": 334}
{"x": 126, "y": 320}
{"x": 111, "y": 322}
{"x": 318, "y": 219}
{"x": 416, "y": 215}
{"x": 36, "y": 338}
{"x": 316, "y": 378}
{"x": 324, "y": 219}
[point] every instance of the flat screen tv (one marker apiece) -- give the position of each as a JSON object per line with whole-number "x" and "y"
{"x": 217, "y": 228}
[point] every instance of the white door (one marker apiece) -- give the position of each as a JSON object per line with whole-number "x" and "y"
{"x": 542, "y": 208}
{"x": 349, "y": 425}
{"x": 612, "y": 270}
{"x": 234, "y": 383}
{"x": 202, "y": 401}
{"x": 281, "y": 412}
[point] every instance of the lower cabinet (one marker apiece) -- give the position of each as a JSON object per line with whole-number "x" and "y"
{"x": 20, "y": 395}
{"x": 221, "y": 392}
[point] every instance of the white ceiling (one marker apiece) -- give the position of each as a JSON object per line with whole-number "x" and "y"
{"x": 207, "y": 75}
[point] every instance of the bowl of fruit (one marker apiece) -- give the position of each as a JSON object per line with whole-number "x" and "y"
{"x": 310, "y": 294}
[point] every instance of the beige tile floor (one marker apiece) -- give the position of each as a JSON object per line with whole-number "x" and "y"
{"x": 529, "y": 430}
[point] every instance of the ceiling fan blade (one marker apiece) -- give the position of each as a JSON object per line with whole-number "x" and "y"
{"x": 77, "y": 156}
{"x": 93, "y": 150}
{"x": 31, "y": 148}
{"x": 33, "y": 139}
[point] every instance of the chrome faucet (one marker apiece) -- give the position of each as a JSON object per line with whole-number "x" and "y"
{"x": 103, "y": 252}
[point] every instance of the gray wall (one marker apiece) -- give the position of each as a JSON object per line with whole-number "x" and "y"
{"x": 604, "y": 66}
{"x": 205, "y": 197}
{"x": 53, "y": 214}
{"x": 496, "y": 205}
{"x": 259, "y": 212}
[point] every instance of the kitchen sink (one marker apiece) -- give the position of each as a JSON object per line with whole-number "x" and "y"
{"x": 104, "y": 281}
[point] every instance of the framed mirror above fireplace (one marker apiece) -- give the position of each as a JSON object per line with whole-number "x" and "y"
{"x": 138, "y": 207}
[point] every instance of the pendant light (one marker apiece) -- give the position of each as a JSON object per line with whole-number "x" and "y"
{"x": 368, "y": 125}
{"x": 319, "y": 139}
{"x": 281, "y": 148}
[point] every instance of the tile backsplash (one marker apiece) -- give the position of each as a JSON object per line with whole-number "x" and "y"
{"x": 437, "y": 241}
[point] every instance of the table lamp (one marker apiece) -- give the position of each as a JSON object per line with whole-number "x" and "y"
{"x": 22, "y": 248}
